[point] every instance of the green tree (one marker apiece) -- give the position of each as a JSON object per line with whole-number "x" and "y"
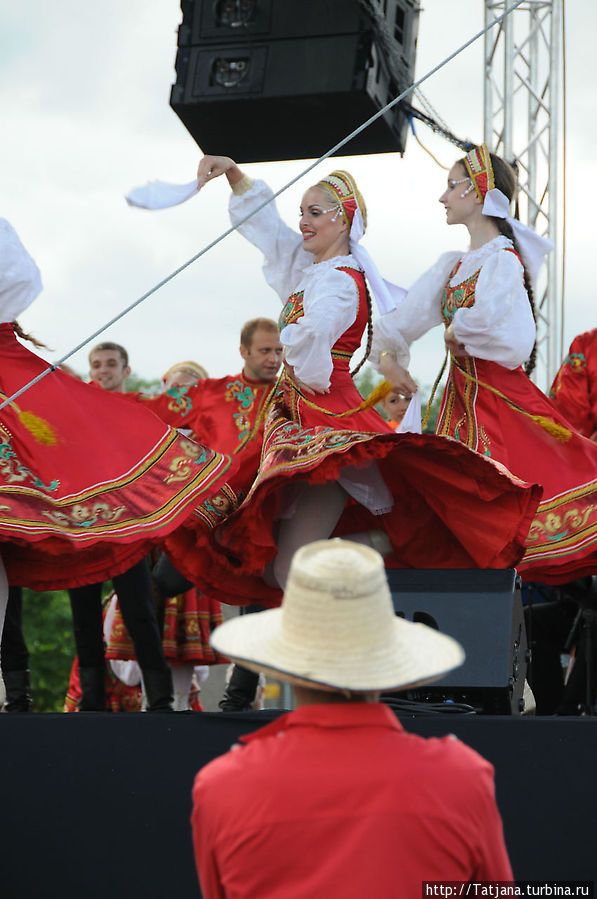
{"x": 135, "y": 383}
{"x": 48, "y": 630}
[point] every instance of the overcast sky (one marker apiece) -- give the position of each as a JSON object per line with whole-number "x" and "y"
{"x": 84, "y": 94}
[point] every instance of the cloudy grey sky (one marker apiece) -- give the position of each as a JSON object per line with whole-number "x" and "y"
{"x": 84, "y": 93}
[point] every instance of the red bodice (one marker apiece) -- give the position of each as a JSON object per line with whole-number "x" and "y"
{"x": 350, "y": 341}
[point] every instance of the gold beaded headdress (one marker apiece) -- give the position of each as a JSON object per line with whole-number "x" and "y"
{"x": 480, "y": 170}
{"x": 193, "y": 368}
{"x": 343, "y": 187}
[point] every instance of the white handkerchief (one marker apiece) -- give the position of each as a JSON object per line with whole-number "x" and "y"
{"x": 161, "y": 195}
{"x": 411, "y": 423}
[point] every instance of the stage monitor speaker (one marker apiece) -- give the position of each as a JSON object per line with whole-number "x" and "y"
{"x": 482, "y": 609}
{"x": 281, "y": 79}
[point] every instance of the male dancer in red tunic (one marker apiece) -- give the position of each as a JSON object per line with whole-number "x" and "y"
{"x": 109, "y": 368}
{"x": 574, "y": 390}
{"x": 232, "y": 411}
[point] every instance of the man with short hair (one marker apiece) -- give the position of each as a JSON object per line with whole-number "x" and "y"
{"x": 109, "y": 367}
{"x": 229, "y": 412}
{"x": 334, "y": 799}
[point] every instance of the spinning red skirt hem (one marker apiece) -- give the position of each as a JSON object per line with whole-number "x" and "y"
{"x": 88, "y": 481}
{"x": 452, "y": 507}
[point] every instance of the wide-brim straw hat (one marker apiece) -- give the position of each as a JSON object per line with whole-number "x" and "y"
{"x": 336, "y": 628}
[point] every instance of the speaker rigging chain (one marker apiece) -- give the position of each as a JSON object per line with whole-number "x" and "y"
{"x": 258, "y": 208}
{"x": 430, "y": 109}
{"x": 412, "y": 113}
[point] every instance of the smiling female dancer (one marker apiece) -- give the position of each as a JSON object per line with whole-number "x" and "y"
{"x": 484, "y": 300}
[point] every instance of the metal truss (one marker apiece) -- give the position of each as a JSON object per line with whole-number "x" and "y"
{"x": 523, "y": 77}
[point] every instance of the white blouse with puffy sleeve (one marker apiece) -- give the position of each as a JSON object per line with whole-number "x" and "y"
{"x": 20, "y": 281}
{"x": 499, "y": 326}
{"x": 330, "y": 296}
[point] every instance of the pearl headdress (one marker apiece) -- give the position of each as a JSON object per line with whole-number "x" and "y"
{"x": 533, "y": 247}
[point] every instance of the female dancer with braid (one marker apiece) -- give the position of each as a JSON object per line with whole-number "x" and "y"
{"x": 328, "y": 464}
{"x": 484, "y": 299}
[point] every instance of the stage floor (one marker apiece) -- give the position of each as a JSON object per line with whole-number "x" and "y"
{"x": 97, "y": 805}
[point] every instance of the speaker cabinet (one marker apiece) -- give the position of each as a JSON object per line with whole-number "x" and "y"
{"x": 482, "y": 609}
{"x": 281, "y": 79}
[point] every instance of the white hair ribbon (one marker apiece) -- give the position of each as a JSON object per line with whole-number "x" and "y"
{"x": 533, "y": 247}
{"x": 387, "y": 295}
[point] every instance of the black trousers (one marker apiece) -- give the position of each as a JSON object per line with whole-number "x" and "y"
{"x": 135, "y": 596}
{"x": 15, "y": 655}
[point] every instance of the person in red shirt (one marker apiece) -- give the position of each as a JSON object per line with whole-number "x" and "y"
{"x": 574, "y": 390}
{"x": 335, "y": 798}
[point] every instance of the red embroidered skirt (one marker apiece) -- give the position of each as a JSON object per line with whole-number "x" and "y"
{"x": 88, "y": 481}
{"x": 561, "y": 543}
{"x": 189, "y": 619}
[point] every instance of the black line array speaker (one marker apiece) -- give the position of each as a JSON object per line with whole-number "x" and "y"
{"x": 287, "y": 79}
{"x": 482, "y": 609}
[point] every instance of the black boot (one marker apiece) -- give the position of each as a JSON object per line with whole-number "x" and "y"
{"x": 158, "y": 689}
{"x": 18, "y": 691}
{"x": 93, "y": 689}
{"x": 240, "y": 690}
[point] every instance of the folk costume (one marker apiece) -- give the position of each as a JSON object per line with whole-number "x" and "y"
{"x": 70, "y": 515}
{"x": 574, "y": 389}
{"x": 123, "y": 675}
{"x": 228, "y": 411}
{"x": 335, "y": 437}
{"x": 189, "y": 619}
{"x": 489, "y": 403}
{"x": 120, "y": 696}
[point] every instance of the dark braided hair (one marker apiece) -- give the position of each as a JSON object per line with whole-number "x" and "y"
{"x": 505, "y": 177}
{"x": 506, "y": 229}
{"x": 369, "y": 334}
{"x": 20, "y": 333}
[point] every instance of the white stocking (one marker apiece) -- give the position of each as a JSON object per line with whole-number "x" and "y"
{"x": 317, "y": 513}
{"x": 181, "y": 682}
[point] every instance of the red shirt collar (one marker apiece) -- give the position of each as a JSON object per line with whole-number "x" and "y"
{"x": 255, "y": 383}
{"x": 354, "y": 714}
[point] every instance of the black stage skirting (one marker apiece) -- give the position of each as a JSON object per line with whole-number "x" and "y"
{"x": 98, "y": 805}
